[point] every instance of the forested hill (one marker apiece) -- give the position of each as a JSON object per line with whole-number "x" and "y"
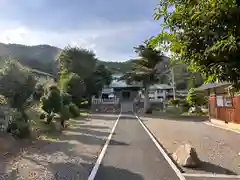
{"x": 42, "y": 57}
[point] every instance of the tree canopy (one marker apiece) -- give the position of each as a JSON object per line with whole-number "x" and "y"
{"x": 77, "y": 60}
{"x": 204, "y": 34}
{"x": 80, "y": 75}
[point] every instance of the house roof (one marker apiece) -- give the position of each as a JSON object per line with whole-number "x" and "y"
{"x": 160, "y": 86}
{"x": 41, "y": 73}
{"x": 212, "y": 85}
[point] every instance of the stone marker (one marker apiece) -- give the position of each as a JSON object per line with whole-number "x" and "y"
{"x": 186, "y": 156}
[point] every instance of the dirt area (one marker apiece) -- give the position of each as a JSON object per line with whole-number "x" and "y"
{"x": 69, "y": 155}
{"x": 217, "y": 148}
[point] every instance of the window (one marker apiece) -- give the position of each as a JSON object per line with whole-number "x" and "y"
{"x": 224, "y": 101}
{"x": 159, "y": 91}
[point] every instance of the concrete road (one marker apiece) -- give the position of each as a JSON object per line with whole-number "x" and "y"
{"x": 132, "y": 155}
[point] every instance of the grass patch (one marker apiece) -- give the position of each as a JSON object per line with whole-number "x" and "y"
{"x": 84, "y": 112}
{"x": 195, "y": 114}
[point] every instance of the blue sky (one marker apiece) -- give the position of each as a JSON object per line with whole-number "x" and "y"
{"x": 111, "y": 28}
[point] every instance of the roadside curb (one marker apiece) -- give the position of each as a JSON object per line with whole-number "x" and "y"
{"x": 221, "y": 127}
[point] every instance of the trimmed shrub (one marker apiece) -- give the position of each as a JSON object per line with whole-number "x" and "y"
{"x": 74, "y": 110}
{"x": 65, "y": 113}
{"x": 195, "y": 98}
{"x": 184, "y": 105}
{"x": 66, "y": 98}
{"x": 174, "y": 102}
{"x": 45, "y": 105}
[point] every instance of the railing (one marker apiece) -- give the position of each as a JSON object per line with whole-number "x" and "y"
{"x": 105, "y": 101}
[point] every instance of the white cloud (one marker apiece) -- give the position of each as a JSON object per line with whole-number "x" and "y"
{"x": 101, "y": 39}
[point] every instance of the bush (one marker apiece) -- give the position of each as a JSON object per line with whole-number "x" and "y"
{"x": 73, "y": 84}
{"x": 18, "y": 127}
{"x": 74, "y": 110}
{"x": 45, "y": 105}
{"x": 52, "y": 101}
{"x": 65, "y": 113}
{"x": 17, "y": 84}
{"x": 184, "y": 106}
{"x": 84, "y": 104}
{"x": 195, "y": 99}
{"x": 174, "y": 102}
{"x": 66, "y": 98}
{"x": 23, "y": 131}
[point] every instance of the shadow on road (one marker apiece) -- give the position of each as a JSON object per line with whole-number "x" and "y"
{"x": 110, "y": 172}
{"x": 213, "y": 168}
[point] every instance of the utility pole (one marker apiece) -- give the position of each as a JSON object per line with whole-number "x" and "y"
{"x": 173, "y": 84}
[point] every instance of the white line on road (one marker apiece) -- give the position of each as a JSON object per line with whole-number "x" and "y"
{"x": 168, "y": 159}
{"x": 213, "y": 176}
{"x": 101, "y": 155}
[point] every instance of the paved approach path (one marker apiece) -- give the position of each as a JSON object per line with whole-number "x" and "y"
{"x": 134, "y": 156}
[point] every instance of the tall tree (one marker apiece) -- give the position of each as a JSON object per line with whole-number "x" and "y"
{"x": 204, "y": 34}
{"x": 146, "y": 69}
{"x": 77, "y": 60}
{"x": 94, "y": 83}
{"x": 17, "y": 84}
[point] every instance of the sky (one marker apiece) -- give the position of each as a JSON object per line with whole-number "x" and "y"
{"x": 110, "y": 28}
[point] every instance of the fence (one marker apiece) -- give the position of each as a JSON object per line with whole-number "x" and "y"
{"x": 105, "y": 101}
{"x": 227, "y": 114}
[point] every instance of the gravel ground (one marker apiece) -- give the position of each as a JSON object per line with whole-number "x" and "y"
{"x": 71, "y": 156}
{"x": 218, "y": 149}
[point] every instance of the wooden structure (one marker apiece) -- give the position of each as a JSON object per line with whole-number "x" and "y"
{"x": 222, "y": 105}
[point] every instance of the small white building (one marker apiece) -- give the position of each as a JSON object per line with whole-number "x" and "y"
{"x": 160, "y": 92}
{"x": 42, "y": 77}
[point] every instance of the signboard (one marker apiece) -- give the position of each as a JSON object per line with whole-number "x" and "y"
{"x": 219, "y": 101}
{"x": 224, "y": 101}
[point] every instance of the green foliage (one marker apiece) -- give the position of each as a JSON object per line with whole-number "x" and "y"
{"x": 184, "y": 105}
{"x": 51, "y": 102}
{"x": 54, "y": 99}
{"x": 17, "y": 83}
{"x": 147, "y": 68}
{"x": 66, "y": 98}
{"x": 73, "y": 84}
{"x": 18, "y": 126}
{"x": 65, "y": 113}
{"x": 174, "y": 102}
{"x": 204, "y": 34}
{"x": 74, "y": 110}
{"x": 195, "y": 99}
{"x": 117, "y": 67}
{"x": 77, "y": 60}
{"x": 96, "y": 81}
